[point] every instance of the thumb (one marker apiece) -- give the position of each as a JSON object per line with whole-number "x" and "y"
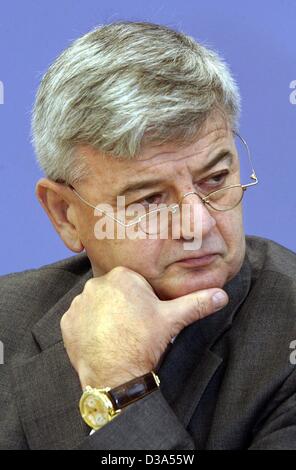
{"x": 185, "y": 310}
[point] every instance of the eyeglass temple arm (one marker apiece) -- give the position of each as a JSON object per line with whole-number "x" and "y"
{"x": 102, "y": 211}
{"x": 253, "y": 175}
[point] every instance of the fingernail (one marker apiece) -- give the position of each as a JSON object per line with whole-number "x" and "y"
{"x": 219, "y": 299}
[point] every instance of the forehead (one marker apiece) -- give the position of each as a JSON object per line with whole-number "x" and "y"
{"x": 211, "y": 136}
{"x": 160, "y": 159}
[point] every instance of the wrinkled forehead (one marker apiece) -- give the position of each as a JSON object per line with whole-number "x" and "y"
{"x": 205, "y": 143}
{"x": 216, "y": 134}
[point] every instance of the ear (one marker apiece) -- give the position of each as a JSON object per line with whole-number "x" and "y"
{"x": 57, "y": 201}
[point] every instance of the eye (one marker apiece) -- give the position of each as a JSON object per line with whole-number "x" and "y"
{"x": 156, "y": 198}
{"x": 215, "y": 181}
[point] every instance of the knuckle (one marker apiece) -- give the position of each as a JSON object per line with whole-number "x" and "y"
{"x": 89, "y": 284}
{"x": 63, "y": 322}
{"x": 118, "y": 270}
{"x": 117, "y": 273}
{"x": 75, "y": 301}
{"x": 90, "y": 287}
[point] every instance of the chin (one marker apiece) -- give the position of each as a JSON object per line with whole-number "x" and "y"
{"x": 192, "y": 281}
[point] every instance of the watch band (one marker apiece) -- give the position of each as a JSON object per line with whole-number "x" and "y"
{"x": 133, "y": 390}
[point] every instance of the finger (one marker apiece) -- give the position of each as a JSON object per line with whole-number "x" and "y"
{"x": 185, "y": 310}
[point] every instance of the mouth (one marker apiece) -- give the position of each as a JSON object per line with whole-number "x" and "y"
{"x": 198, "y": 261}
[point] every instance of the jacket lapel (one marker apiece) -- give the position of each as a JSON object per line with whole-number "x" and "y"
{"x": 46, "y": 386}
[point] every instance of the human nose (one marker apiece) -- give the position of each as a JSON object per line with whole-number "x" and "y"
{"x": 196, "y": 220}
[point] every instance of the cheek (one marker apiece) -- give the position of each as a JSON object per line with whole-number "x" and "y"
{"x": 230, "y": 226}
{"x": 141, "y": 256}
{"x": 86, "y": 227}
{"x": 232, "y": 231}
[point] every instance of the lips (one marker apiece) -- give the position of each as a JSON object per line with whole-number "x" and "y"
{"x": 203, "y": 260}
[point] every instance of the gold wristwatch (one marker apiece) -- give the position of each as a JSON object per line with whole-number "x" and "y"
{"x": 99, "y": 406}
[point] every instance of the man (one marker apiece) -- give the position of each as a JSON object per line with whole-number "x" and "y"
{"x": 147, "y": 339}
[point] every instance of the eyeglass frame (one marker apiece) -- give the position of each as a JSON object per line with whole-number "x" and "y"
{"x": 173, "y": 207}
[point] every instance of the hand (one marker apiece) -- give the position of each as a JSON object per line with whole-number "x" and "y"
{"x": 118, "y": 329}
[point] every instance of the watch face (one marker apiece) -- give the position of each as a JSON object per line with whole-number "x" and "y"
{"x": 95, "y": 410}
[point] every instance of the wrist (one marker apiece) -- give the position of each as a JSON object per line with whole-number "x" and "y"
{"x": 99, "y": 406}
{"x": 101, "y": 380}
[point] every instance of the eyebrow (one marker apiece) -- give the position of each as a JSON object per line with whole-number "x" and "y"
{"x": 223, "y": 155}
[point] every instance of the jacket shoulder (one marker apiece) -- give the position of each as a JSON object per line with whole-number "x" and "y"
{"x": 26, "y": 296}
{"x": 272, "y": 299}
{"x": 268, "y": 255}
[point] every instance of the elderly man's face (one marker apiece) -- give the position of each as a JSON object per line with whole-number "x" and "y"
{"x": 177, "y": 172}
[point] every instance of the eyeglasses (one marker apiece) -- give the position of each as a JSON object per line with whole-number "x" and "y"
{"x": 156, "y": 217}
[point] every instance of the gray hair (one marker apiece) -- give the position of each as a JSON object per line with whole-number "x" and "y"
{"x": 123, "y": 86}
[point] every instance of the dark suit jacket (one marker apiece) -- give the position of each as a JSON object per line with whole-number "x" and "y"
{"x": 227, "y": 382}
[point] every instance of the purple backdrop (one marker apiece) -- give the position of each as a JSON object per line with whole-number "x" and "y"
{"x": 256, "y": 38}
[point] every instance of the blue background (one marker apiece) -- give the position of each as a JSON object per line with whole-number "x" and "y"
{"x": 256, "y": 38}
